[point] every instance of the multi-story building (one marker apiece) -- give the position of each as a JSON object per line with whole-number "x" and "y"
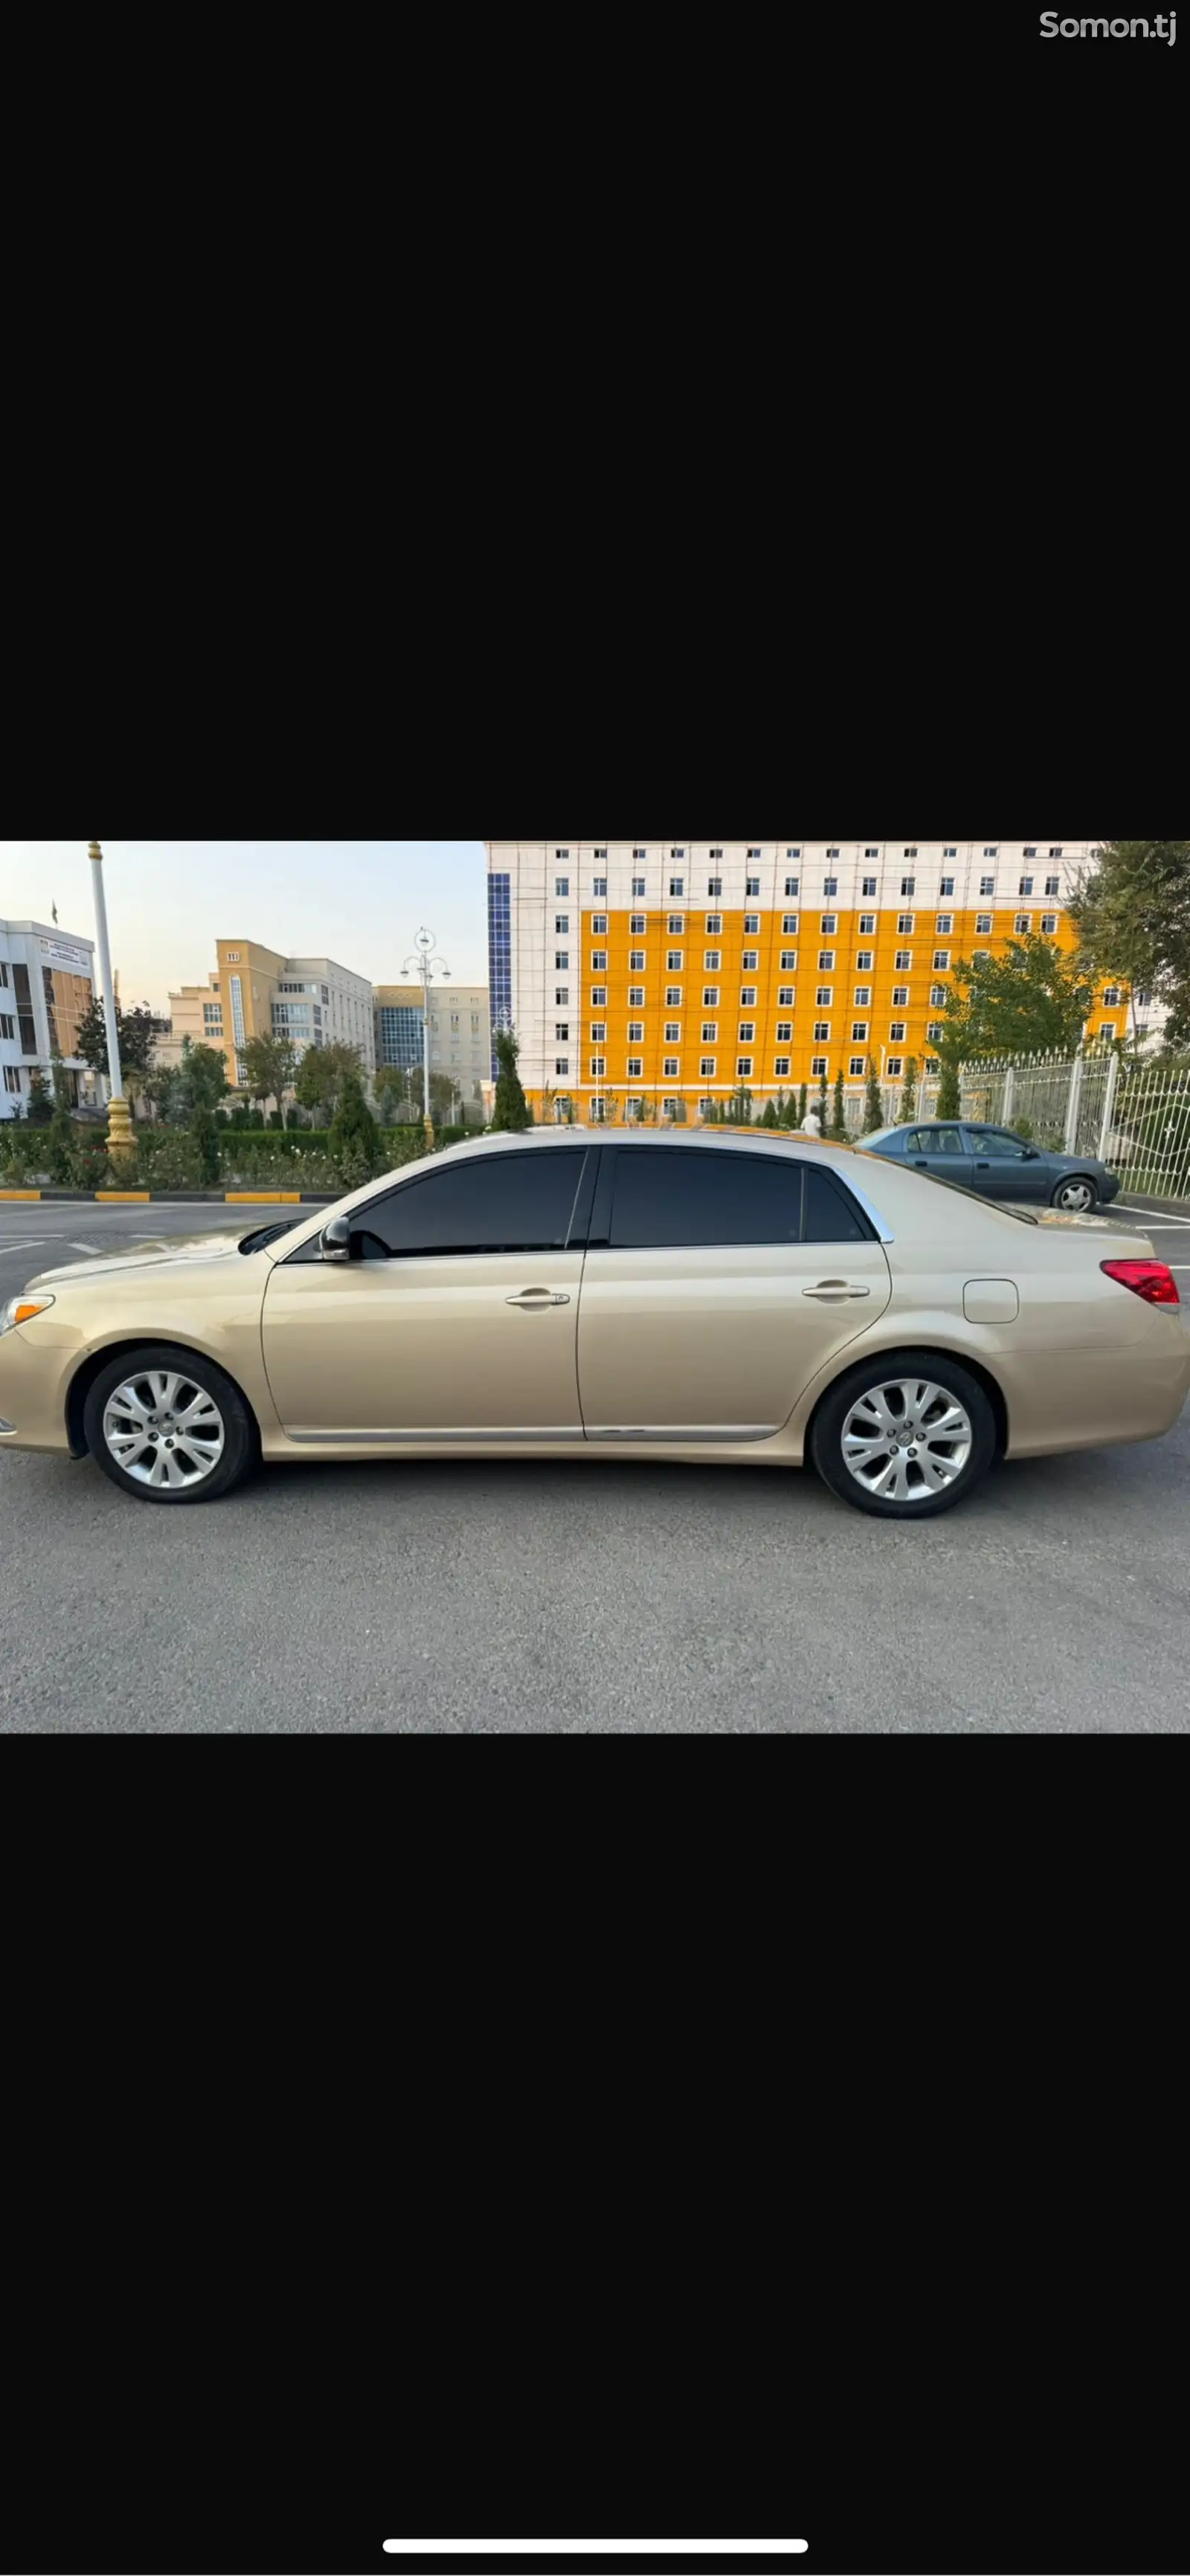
{"x": 671, "y": 973}
{"x": 47, "y": 983}
{"x": 460, "y": 1031}
{"x": 257, "y": 992}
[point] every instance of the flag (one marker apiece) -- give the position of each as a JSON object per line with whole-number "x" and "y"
{"x": 54, "y": 914}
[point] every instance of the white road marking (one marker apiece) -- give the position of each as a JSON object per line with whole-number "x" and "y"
{"x": 594, "y": 2548}
{"x": 1155, "y": 1219}
{"x": 86, "y": 1247}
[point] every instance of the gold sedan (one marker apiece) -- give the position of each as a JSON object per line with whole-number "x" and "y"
{"x": 584, "y": 1294}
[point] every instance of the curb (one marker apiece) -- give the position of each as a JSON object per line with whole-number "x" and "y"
{"x": 178, "y": 1198}
{"x": 1154, "y": 1207}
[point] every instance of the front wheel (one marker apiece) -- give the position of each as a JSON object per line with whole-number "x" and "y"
{"x": 905, "y": 1437}
{"x": 1077, "y": 1196}
{"x": 168, "y": 1426}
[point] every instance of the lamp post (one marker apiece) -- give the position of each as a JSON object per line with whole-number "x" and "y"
{"x": 119, "y": 1122}
{"x": 425, "y": 964}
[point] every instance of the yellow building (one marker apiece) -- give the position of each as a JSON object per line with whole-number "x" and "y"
{"x": 659, "y": 976}
{"x": 257, "y": 992}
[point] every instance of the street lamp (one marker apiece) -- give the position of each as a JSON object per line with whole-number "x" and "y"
{"x": 119, "y": 1121}
{"x": 424, "y": 965}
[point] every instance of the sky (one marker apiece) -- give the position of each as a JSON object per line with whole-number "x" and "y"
{"x": 360, "y": 902}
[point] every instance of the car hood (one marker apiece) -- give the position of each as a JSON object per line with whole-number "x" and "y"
{"x": 142, "y": 1256}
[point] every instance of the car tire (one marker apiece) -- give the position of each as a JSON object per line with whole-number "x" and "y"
{"x": 848, "y": 1448}
{"x": 1077, "y": 1194}
{"x": 198, "y": 1442}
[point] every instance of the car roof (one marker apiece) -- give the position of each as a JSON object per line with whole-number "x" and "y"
{"x": 757, "y": 1140}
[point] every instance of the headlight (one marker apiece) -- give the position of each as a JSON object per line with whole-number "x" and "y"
{"x": 21, "y": 1310}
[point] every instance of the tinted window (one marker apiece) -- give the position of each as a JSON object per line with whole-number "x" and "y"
{"x": 668, "y": 1197}
{"x": 992, "y": 1142}
{"x": 829, "y": 1213}
{"x": 942, "y": 1140}
{"x": 510, "y": 1203}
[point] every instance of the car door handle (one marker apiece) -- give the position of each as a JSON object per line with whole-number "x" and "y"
{"x": 534, "y": 1301}
{"x": 983, "y": 1167}
{"x": 920, "y": 1164}
{"x": 835, "y": 1292}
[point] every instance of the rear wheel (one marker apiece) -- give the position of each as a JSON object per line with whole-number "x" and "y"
{"x": 168, "y": 1426}
{"x": 905, "y": 1437}
{"x": 1077, "y": 1196}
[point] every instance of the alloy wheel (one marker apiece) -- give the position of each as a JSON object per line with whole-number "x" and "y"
{"x": 1077, "y": 1197}
{"x": 907, "y": 1439}
{"x": 164, "y": 1429}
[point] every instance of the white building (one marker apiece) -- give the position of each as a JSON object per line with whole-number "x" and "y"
{"x": 47, "y": 984}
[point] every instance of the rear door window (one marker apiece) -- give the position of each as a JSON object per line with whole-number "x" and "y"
{"x": 665, "y": 1197}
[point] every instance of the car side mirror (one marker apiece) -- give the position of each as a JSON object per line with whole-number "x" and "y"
{"x": 1030, "y": 1155}
{"x": 336, "y": 1239}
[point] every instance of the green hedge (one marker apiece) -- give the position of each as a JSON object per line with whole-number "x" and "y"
{"x": 168, "y": 1158}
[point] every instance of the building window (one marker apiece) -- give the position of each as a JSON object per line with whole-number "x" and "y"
{"x": 637, "y": 925}
{"x": 781, "y": 1066}
{"x": 825, "y": 994}
{"x": 714, "y": 888}
{"x": 562, "y": 1064}
{"x": 896, "y": 1030}
{"x": 900, "y": 998}
{"x": 822, "y": 1028}
{"x": 750, "y": 960}
{"x": 8, "y": 1026}
{"x": 638, "y": 887}
{"x": 784, "y": 1032}
{"x": 908, "y": 885}
{"x": 987, "y": 885}
{"x": 744, "y": 1067}
{"x": 674, "y": 962}
{"x": 869, "y": 886}
{"x": 710, "y": 1033}
{"x": 677, "y": 886}
{"x": 946, "y": 885}
{"x": 673, "y": 997}
{"x": 636, "y": 1032}
{"x": 635, "y": 1068}
{"x": 1024, "y": 921}
{"x": 673, "y": 1034}
{"x": 747, "y": 997}
{"x": 828, "y": 925}
{"x": 751, "y": 925}
{"x": 793, "y": 885}
{"x": 819, "y": 1064}
{"x": 867, "y": 924}
{"x": 859, "y": 1029}
{"x": 598, "y": 1068}
{"x": 905, "y": 925}
{"x": 12, "y": 1077}
{"x": 752, "y": 886}
{"x": 830, "y": 886}
{"x": 670, "y": 1069}
{"x": 598, "y": 999}
{"x": 1025, "y": 886}
{"x": 712, "y": 961}
{"x": 562, "y": 962}
{"x": 707, "y": 1069}
{"x": 936, "y": 1032}
{"x": 789, "y": 961}
{"x": 789, "y": 925}
{"x": 710, "y": 999}
{"x": 599, "y": 1033}
{"x": 983, "y": 925}
{"x": 561, "y": 1032}
{"x": 863, "y": 995}
{"x": 938, "y": 993}
{"x": 904, "y": 960}
{"x": 944, "y": 924}
{"x": 599, "y": 889}
{"x": 714, "y": 925}
{"x": 637, "y": 961}
{"x": 747, "y": 1032}
{"x": 894, "y": 1068}
{"x": 1053, "y": 885}
{"x": 1111, "y": 997}
{"x": 599, "y": 925}
{"x": 993, "y": 854}
{"x": 826, "y": 961}
{"x": 858, "y": 1064}
{"x": 1049, "y": 924}
{"x": 785, "y": 997}
{"x": 677, "y": 924}
{"x": 561, "y": 887}
{"x": 941, "y": 961}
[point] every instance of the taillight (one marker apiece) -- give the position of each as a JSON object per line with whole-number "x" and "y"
{"x": 1152, "y": 1280}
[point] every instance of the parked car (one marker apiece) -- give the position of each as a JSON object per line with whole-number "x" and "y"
{"x": 573, "y": 1294}
{"x": 998, "y": 1165}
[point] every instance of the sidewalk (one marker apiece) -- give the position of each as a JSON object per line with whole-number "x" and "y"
{"x": 1155, "y": 1207}
{"x": 179, "y": 1198}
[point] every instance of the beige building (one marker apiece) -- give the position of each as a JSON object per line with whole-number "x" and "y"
{"x": 460, "y": 1032}
{"x": 257, "y": 992}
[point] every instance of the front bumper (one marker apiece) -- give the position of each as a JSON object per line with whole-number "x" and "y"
{"x": 33, "y": 1383}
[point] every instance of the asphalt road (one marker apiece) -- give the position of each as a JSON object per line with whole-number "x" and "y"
{"x": 524, "y": 1598}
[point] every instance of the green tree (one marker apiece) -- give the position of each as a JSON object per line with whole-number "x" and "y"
{"x": 40, "y": 1108}
{"x": 1033, "y": 1000}
{"x": 839, "y": 1112}
{"x": 61, "y": 1082}
{"x": 949, "y": 1103}
{"x": 768, "y": 1115}
{"x": 1131, "y": 908}
{"x": 136, "y": 1035}
{"x": 163, "y": 1091}
{"x": 739, "y": 1107}
{"x": 60, "y": 1147}
{"x": 909, "y": 1095}
{"x": 511, "y": 1114}
{"x": 202, "y": 1079}
{"x": 391, "y": 1087}
{"x": 873, "y": 1104}
{"x": 822, "y": 1105}
{"x": 205, "y": 1127}
{"x": 270, "y": 1067}
{"x": 355, "y": 1137}
{"x": 803, "y": 1100}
